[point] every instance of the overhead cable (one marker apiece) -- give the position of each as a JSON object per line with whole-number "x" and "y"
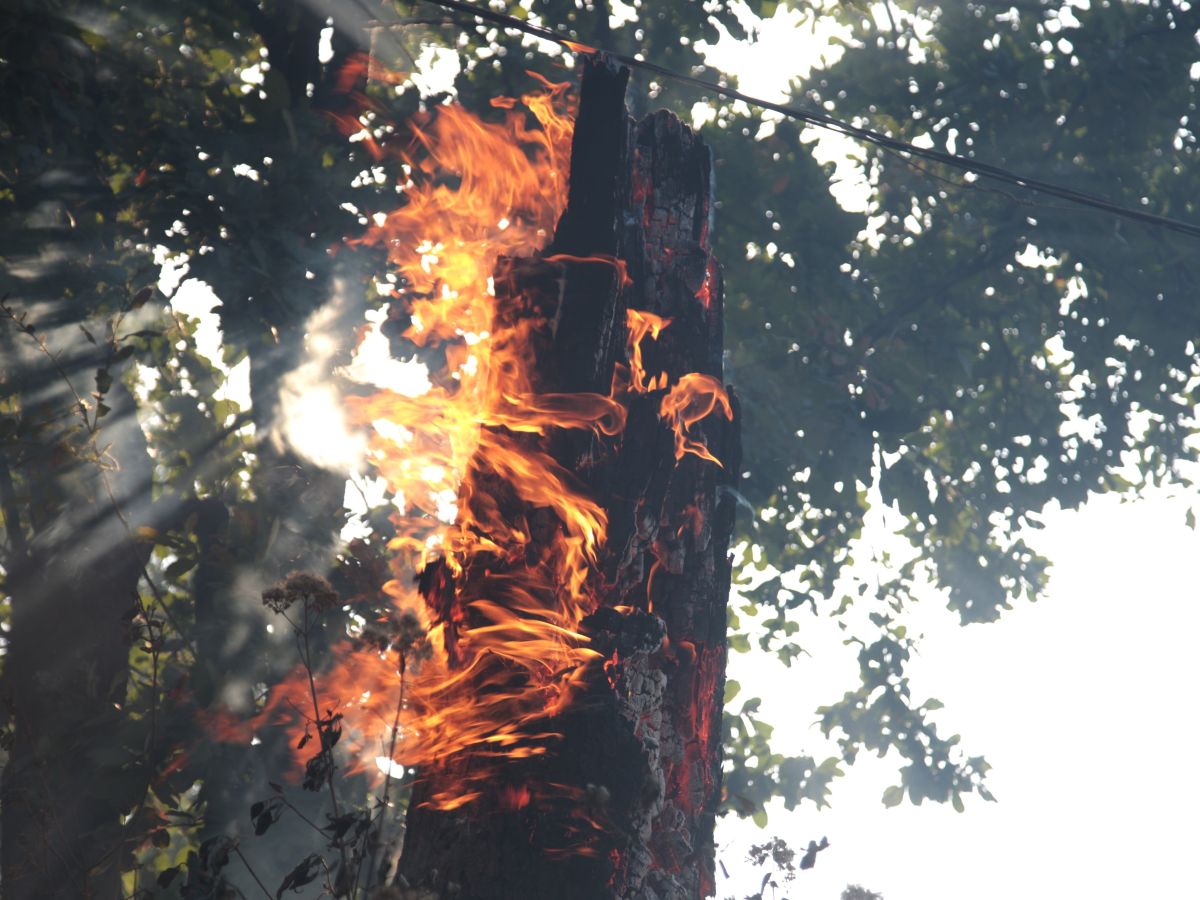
{"x": 823, "y": 120}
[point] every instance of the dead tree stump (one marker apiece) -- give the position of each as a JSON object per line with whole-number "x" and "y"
{"x": 637, "y": 767}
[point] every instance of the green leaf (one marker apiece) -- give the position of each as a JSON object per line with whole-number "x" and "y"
{"x": 760, "y": 818}
{"x": 224, "y": 409}
{"x": 893, "y": 796}
{"x": 221, "y": 59}
{"x": 181, "y": 566}
{"x": 731, "y": 690}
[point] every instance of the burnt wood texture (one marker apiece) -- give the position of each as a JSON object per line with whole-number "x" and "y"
{"x": 636, "y": 775}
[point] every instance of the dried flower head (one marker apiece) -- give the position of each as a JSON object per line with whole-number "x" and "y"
{"x": 275, "y": 599}
{"x": 301, "y": 587}
{"x": 408, "y": 635}
{"x": 399, "y": 631}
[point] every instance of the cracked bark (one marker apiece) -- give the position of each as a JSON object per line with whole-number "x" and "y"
{"x": 640, "y": 752}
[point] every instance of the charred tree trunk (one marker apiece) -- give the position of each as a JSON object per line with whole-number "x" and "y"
{"x": 638, "y": 762}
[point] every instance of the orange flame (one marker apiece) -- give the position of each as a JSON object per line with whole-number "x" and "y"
{"x": 618, "y": 265}
{"x": 640, "y": 324}
{"x": 505, "y": 628}
{"x": 694, "y": 397}
{"x": 496, "y": 543}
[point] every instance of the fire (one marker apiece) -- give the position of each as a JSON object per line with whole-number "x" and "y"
{"x": 694, "y": 397}
{"x": 503, "y": 606}
{"x": 641, "y": 324}
{"x": 497, "y": 544}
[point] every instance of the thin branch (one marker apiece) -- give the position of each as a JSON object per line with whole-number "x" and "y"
{"x": 305, "y": 819}
{"x": 383, "y": 802}
{"x": 250, "y": 869}
{"x": 12, "y": 517}
{"x": 312, "y": 687}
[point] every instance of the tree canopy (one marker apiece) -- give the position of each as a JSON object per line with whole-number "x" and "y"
{"x": 963, "y": 352}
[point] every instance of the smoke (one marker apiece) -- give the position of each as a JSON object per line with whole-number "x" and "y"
{"x": 311, "y": 419}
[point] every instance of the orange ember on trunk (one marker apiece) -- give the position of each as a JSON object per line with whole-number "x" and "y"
{"x": 496, "y": 543}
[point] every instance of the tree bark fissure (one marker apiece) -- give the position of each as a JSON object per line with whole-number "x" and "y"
{"x": 640, "y": 750}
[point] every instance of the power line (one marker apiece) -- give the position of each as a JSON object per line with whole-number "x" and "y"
{"x": 822, "y": 120}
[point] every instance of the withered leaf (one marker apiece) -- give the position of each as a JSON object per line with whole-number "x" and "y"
{"x": 305, "y": 872}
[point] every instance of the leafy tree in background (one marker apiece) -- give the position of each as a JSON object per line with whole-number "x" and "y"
{"x": 972, "y": 353}
{"x": 971, "y": 380}
{"x": 124, "y": 127}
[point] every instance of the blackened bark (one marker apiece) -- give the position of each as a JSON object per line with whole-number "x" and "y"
{"x": 639, "y": 753}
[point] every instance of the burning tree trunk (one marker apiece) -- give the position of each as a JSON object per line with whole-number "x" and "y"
{"x": 622, "y": 803}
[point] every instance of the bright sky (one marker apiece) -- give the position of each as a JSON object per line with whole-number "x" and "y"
{"x": 1082, "y": 703}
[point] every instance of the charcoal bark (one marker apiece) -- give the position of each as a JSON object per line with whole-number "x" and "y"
{"x": 640, "y": 752}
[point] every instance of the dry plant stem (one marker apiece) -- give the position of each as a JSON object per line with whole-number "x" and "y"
{"x": 152, "y": 737}
{"x": 387, "y": 783}
{"x": 305, "y": 819}
{"x": 312, "y": 688}
{"x": 12, "y": 519}
{"x": 250, "y": 869}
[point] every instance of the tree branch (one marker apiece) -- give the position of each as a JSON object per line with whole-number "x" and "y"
{"x": 12, "y": 518}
